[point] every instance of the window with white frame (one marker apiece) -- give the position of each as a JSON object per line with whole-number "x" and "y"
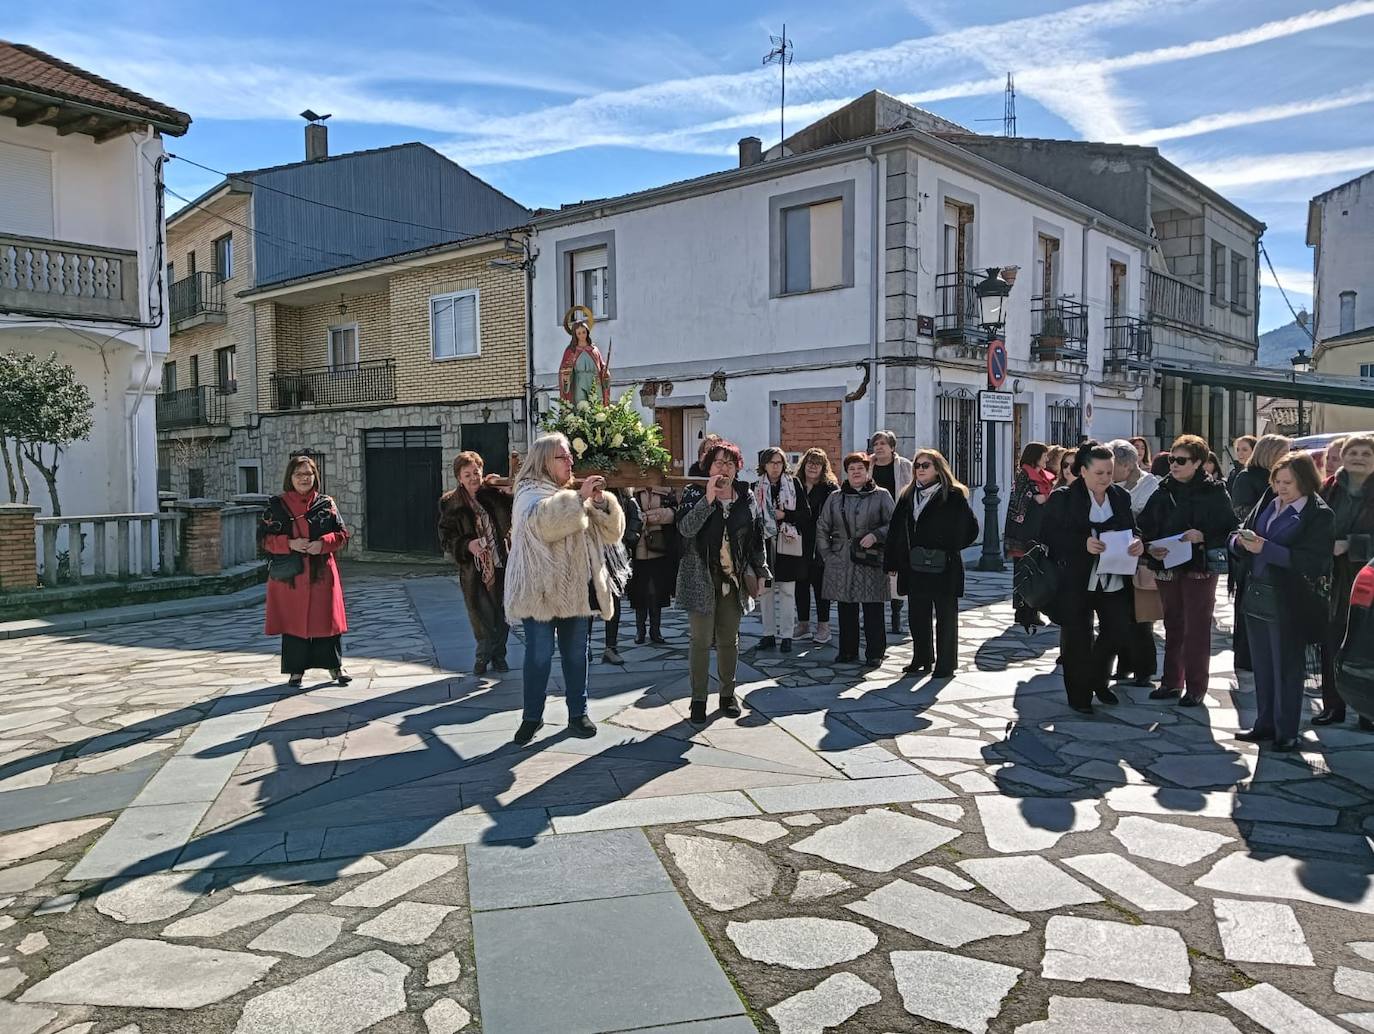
{"x": 453, "y": 325}
{"x": 1367, "y": 370}
{"x": 226, "y": 370}
{"x": 1240, "y": 282}
{"x": 591, "y": 279}
{"x": 26, "y": 202}
{"x": 224, "y": 257}
{"x": 813, "y": 246}
{"x": 1218, "y": 273}
{"x": 1347, "y": 312}
{"x": 343, "y": 347}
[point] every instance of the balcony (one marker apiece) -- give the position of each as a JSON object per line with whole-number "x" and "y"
{"x": 1059, "y": 330}
{"x": 65, "y": 280}
{"x": 191, "y": 407}
{"x": 322, "y": 386}
{"x": 956, "y": 305}
{"x": 195, "y": 300}
{"x": 1129, "y": 345}
{"x": 1175, "y": 300}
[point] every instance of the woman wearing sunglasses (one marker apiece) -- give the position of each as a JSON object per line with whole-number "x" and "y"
{"x": 931, "y": 523}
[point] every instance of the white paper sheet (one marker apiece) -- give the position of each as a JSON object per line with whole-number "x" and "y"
{"x": 1180, "y": 552}
{"x": 1116, "y": 560}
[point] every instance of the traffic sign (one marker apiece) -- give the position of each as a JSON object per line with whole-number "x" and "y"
{"x": 997, "y": 363}
{"x": 996, "y": 407}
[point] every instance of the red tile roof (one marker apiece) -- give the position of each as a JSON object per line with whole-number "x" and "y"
{"x": 26, "y": 68}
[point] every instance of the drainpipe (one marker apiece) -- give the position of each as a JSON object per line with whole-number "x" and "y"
{"x": 1083, "y": 296}
{"x": 530, "y": 395}
{"x": 875, "y": 246}
{"x": 140, "y": 176}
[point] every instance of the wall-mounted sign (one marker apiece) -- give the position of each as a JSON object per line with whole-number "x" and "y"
{"x": 996, "y": 407}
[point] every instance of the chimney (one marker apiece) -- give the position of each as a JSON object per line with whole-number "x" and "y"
{"x": 750, "y": 151}
{"x": 316, "y": 142}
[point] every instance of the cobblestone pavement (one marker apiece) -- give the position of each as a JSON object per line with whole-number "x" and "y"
{"x": 186, "y": 846}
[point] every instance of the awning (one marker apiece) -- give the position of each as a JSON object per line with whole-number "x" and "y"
{"x": 1331, "y": 388}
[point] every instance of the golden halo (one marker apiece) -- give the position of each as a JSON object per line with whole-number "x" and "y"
{"x": 587, "y": 318}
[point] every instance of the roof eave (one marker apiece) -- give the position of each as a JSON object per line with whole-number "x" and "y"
{"x": 169, "y": 127}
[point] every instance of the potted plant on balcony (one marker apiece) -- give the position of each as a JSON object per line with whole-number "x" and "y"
{"x": 612, "y": 440}
{"x": 1051, "y": 342}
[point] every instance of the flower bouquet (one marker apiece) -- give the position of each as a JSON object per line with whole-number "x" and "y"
{"x": 611, "y": 439}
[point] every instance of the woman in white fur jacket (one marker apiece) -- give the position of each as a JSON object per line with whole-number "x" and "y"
{"x": 566, "y": 564}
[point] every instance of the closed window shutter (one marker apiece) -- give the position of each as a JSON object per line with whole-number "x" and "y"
{"x": 441, "y": 322}
{"x": 465, "y": 325}
{"x": 827, "y": 232}
{"x": 26, "y": 194}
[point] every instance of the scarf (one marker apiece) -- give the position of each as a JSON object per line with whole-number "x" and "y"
{"x": 1040, "y": 478}
{"x": 487, "y": 560}
{"x": 787, "y": 500}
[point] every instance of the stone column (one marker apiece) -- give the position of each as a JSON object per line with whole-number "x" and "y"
{"x": 201, "y": 551}
{"x": 18, "y": 554}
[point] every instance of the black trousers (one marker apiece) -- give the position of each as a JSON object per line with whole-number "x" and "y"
{"x": 1087, "y": 655}
{"x": 300, "y": 655}
{"x": 934, "y": 645}
{"x": 875, "y": 630}
{"x": 812, "y": 586}
{"x": 652, "y": 616}
{"x": 613, "y": 626}
{"x": 1025, "y": 614}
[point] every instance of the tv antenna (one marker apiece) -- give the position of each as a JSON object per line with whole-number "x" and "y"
{"x": 781, "y": 55}
{"x": 1008, "y": 118}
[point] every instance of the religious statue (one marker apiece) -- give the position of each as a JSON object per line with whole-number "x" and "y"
{"x": 583, "y": 374}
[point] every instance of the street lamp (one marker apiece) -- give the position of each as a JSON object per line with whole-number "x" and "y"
{"x": 992, "y": 294}
{"x": 1302, "y": 363}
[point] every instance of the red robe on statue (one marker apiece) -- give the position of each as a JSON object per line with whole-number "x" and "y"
{"x": 301, "y": 607}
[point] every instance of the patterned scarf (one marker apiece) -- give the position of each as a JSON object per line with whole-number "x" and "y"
{"x": 488, "y": 560}
{"x": 787, "y": 500}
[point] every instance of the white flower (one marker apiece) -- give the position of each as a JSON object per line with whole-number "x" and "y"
{"x": 579, "y": 446}
{"x": 617, "y": 441}
{"x": 583, "y": 406}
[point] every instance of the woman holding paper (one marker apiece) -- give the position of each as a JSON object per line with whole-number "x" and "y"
{"x": 1186, "y": 522}
{"x": 1090, "y": 534}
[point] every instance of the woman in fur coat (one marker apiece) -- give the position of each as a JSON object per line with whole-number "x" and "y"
{"x": 566, "y": 564}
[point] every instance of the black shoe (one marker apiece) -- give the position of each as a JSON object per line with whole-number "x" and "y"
{"x": 656, "y": 637}
{"x": 500, "y": 664}
{"x": 1108, "y": 697}
{"x": 1329, "y": 716}
{"x": 1120, "y": 676}
{"x": 844, "y": 658}
{"x": 582, "y": 727}
{"x": 942, "y": 673}
{"x": 295, "y": 681}
{"x": 480, "y": 668}
{"x": 768, "y": 642}
{"x": 1143, "y": 682}
{"x": 729, "y": 706}
{"x": 1365, "y": 724}
{"x": 1188, "y": 700}
{"x": 1164, "y": 693}
{"x": 1255, "y": 735}
{"x": 526, "y": 732}
{"x": 873, "y": 662}
{"x": 697, "y": 714}
{"x": 786, "y": 646}
{"x": 1284, "y": 746}
{"x": 917, "y": 668}
{"x": 639, "y": 637}
{"x": 341, "y": 677}
{"x": 1082, "y": 708}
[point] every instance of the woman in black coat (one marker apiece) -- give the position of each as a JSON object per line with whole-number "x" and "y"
{"x": 818, "y": 481}
{"x": 1189, "y": 504}
{"x": 931, "y": 523}
{"x": 1075, "y": 518}
{"x": 1350, "y": 494}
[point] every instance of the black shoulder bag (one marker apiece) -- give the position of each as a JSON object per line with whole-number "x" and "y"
{"x": 923, "y": 559}
{"x": 871, "y": 557}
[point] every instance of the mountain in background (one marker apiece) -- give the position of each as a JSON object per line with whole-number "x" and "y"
{"x": 1278, "y": 346}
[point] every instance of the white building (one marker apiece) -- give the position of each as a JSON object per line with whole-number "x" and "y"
{"x": 81, "y": 261}
{"x": 814, "y": 298}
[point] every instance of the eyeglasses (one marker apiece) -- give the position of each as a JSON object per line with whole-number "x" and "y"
{"x": 923, "y": 465}
{"x": 1179, "y": 461}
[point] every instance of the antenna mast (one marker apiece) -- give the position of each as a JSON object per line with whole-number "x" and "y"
{"x": 781, "y": 55}
{"x": 1009, "y": 108}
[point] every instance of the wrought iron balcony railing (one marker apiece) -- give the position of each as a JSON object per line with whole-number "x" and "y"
{"x": 1128, "y": 343}
{"x": 956, "y": 305}
{"x": 196, "y": 299}
{"x": 63, "y": 279}
{"x": 323, "y": 386}
{"x": 1059, "y": 329}
{"x": 191, "y": 407}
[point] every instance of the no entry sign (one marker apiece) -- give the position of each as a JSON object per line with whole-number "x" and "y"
{"x": 997, "y": 363}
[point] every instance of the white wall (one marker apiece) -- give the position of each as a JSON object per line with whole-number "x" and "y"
{"x": 1346, "y": 256}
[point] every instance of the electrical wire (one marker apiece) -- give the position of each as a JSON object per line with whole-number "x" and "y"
{"x": 263, "y": 234}
{"x": 1268, "y": 262}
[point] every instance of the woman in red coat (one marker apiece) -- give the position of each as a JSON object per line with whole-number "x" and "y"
{"x": 300, "y": 531}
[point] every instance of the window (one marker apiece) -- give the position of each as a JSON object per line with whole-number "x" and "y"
{"x": 1218, "y": 273}
{"x": 250, "y": 477}
{"x": 190, "y": 263}
{"x": 1047, "y": 267}
{"x": 226, "y": 379}
{"x": 194, "y": 362}
{"x": 1367, "y": 370}
{"x": 171, "y": 272}
{"x": 591, "y": 280}
{"x": 811, "y": 239}
{"x": 453, "y": 328}
{"x": 1066, "y": 422}
{"x": 26, "y": 205}
{"x": 195, "y": 481}
{"x": 164, "y": 479}
{"x": 1347, "y": 312}
{"x": 813, "y": 247}
{"x": 169, "y": 378}
{"x": 1240, "y": 282}
{"x": 224, "y": 257}
{"x": 961, "y": 434}
{"x": 343, "y": 347}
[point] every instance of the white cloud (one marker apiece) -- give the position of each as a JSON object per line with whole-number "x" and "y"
{"x": 1296, "y": 282}
{"x": 1253, "y": 116}
{"x": 1257, "y": 169}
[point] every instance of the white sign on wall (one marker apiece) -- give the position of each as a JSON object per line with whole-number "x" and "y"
{"x": 996, "y": 407}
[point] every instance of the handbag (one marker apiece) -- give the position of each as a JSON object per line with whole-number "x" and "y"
{"x": 1218, "y": 561}
{"x": 657, "y": 539}
{"x": 863, "y": 557}
{"x": 924, "y": 560}
{"x": 1260, "y": 600}
{"x": 789, "y": 541}
{"x": 1037, "y": 578}
{"x": 285, "y": 567}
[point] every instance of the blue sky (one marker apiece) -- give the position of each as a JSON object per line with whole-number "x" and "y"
{"x": 1269, "y": 101}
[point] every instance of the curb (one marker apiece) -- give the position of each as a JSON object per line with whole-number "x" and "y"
{"x": 62, "y": 624}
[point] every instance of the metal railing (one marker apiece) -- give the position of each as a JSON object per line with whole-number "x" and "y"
{"x": 66, "y": 279}
{"x": 200, "y": 294}
{"x": 118, "y": 546}
{"x": 204, "y": 406}
{"x": 322, "y": 386}
{"x": 956, "y": 307}
{"x": 1128, "y": 343}
{"x": 1176, "y": 300}
{"x": 1059, "y": 329}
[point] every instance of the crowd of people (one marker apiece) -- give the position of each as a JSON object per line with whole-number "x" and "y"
{"x": 882, "y": 533}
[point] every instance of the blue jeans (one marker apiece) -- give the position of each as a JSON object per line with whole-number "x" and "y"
{"x": 573, "y": 635}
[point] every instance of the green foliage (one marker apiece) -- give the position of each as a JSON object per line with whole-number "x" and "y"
{"x": 604, "y": 436}
{"x": 42, "y": 405}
